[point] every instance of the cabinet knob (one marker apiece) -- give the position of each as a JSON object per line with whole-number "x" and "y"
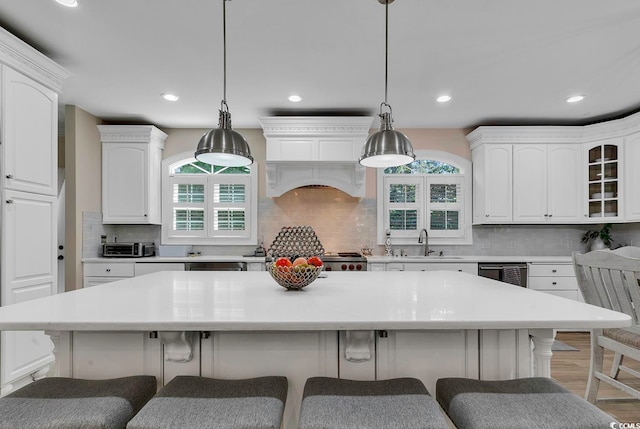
{"x": 9, "y": 176}
{"x": 145, "y": 215}
{"x": 486, "y": 215}
{"x": 554, "y": 283}
{"x": 60, "y": 257}
{"x": 554, "y": 271}
{"x": 108, "y": 270}
{"x": 550, "y": 215}
{"x": 9, "y": 201}
{"x": 546, "y": 215}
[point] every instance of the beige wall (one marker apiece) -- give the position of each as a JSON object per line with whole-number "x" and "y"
{"x": 83, "y": 169}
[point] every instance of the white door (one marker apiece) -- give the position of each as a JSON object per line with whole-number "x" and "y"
{"x": 530, "y": 183}
{"x": 565, "y": 183}
{"x": 498, "y": 183}
{"x": 30, "y": 126}
{"x": 124, "y": 182}
{"x": 28, "y": 272}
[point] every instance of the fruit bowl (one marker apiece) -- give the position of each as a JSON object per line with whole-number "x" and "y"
{"x": 294, "y": 278}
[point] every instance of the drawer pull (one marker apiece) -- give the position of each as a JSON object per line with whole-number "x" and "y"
{"x": 108, "y": 270}
{"x": 554, "y": 271}
{"x": 554, "y": 283}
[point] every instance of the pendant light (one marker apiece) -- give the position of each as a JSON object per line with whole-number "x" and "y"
{"x": 223, "y": 146}
{"x": 386, "y": 147}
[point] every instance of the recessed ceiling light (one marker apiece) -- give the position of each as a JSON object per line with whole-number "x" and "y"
{"x": 295, "y": 98}
{"x": 443, "y": 98}
{"x": 68, "y": 3}
{"x": 170, "y": 97}
{"x": 575, "y": 98}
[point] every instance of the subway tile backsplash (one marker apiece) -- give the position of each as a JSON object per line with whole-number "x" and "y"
{"x": 345, "y": 223}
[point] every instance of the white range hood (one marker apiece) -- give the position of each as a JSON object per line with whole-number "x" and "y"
{"x": 315, "y": 150}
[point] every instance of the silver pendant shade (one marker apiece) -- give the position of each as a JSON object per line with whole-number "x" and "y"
{"x": 223, "y": 146}
{"x": 386, "y": 147}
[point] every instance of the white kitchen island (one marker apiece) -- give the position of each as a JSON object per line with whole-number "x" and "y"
{"x": 372, "y": 325}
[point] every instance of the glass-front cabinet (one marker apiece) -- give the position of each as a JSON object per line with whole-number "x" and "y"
{"x": 604, "y": 175}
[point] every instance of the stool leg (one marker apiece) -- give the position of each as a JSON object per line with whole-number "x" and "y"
{"x": 615, "y": 366}
{"x": 595, "y": 366}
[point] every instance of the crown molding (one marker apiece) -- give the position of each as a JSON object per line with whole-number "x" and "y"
{"x": 28, "y": 61}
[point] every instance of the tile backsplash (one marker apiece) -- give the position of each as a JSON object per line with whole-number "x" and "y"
{"x": 345, "y": 223}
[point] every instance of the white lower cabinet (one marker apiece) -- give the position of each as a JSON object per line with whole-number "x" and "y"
{"x": 298, "y": 355}
{"x": 554, "y": 279}
{"x": 463, "y": 267}
{"x": 427, "y": 355}
{"x": 97, "y": 273}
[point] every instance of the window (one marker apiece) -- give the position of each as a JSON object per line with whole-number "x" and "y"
{"x": 207, "y": 204}
{"x": 433, "y": 193}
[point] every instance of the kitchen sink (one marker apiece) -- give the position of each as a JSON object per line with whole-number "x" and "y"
{"x": 432, "y": 258}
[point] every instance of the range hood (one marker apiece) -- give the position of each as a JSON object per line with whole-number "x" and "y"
{"x": 315, "y": 150}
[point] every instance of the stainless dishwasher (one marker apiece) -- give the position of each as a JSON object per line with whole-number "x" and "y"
{"x": 215, "y": 266}
{"x": 509, "y": 272}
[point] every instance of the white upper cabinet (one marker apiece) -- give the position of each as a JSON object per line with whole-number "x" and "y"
{"x": 547, "y": 183}
{"x": 560, "y": 174}
{"x": 632, "y": 177}
{"x": 604, "y": 180}
{"x": 29, "y": 134}
{"x": 492, "y": 183}
{"x": 131, "y": 182}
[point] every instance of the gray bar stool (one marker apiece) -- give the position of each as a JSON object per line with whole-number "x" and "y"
{"x": 76, "y": 404}
{"x": 521, "y": 403}
{"x": 383, "y": 404}
{"x": 198, "y": 402}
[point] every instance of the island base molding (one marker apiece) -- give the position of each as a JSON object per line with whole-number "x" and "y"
{"x": 298, "y": 355}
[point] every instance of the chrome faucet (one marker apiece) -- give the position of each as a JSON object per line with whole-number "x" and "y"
{"x": 424, "y": 240}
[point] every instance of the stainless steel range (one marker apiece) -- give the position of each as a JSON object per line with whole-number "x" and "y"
{"x": 348, "y": 261}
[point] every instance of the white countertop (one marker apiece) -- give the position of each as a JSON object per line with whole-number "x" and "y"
{"x": 201, "y": 258}
{"x": 253, "y": 301}
{"x": 473, "y": 259}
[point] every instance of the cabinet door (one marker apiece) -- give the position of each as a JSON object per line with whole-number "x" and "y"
{"x": 30, "y": 126}
{"x": 530, "y": 183}
{"x": 124, "y": 183}
{"x": 603, "y": 178}
{"x": 564, "y": 183}
{"x": 28, "y": 272}
{"x": 492, "y": 184}
{"x": 632, "y": 177}
{"x": 427, "y": 355}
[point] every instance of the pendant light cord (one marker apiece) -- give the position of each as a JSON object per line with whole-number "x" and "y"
{"x": 223, "y": 105}
{"x": 386, "y": 50}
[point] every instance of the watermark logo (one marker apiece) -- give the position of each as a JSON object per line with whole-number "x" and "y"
{"x": 616, "y": 425}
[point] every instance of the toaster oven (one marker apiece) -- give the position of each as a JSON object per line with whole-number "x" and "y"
{"x": 128, "y": 250}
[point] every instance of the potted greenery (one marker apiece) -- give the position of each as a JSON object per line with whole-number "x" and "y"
{"x": 599, "y": 239}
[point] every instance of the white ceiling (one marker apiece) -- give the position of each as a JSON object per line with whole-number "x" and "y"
{"x": 502, "y": 61}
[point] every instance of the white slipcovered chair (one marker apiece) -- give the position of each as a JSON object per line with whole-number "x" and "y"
{"x": 610, "y": 279}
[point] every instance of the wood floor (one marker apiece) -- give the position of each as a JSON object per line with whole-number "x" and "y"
{"x": 571, "y": 369}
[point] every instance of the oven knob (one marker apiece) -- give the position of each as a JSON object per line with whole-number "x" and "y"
{"x": 351, "y": 267}
{"x": 344, "y": 267}
{"x": 359, "y": 267}
{"x": 327, "y": 268}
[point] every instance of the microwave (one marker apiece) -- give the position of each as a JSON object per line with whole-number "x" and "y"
{"x": 128, "y": 250}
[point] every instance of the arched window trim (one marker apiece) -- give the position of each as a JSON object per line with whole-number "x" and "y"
{"x": 464, "y": 235}
{"x": 248, "y": 236}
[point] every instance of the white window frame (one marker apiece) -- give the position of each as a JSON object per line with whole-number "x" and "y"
{"x": 463, "y": 236}
{"x": 208, "y": 237}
